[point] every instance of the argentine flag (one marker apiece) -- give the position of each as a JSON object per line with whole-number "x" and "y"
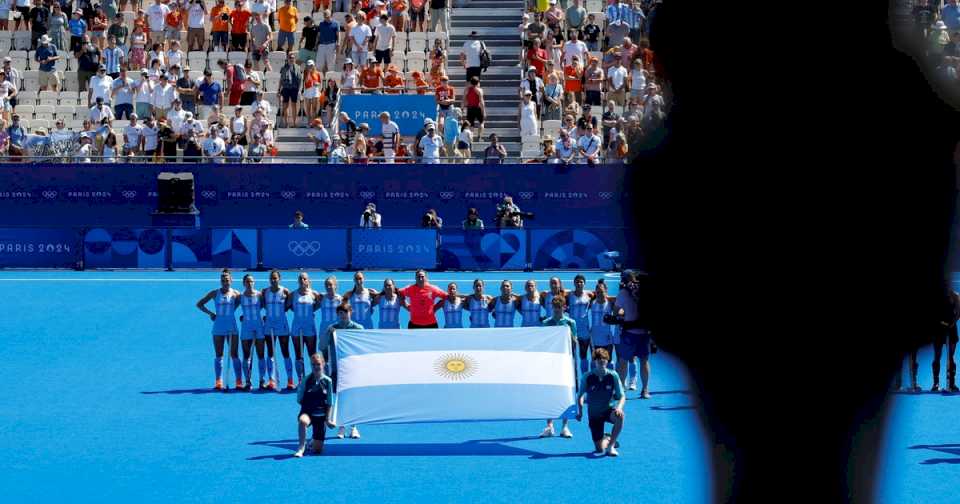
{"x": 453, "y": 375}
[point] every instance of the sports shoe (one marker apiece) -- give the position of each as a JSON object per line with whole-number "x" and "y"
{"x": 263, "y": 385}
{"x": 248, "y": 387}
{"x": 238, "y": 385}
{"x": 354, "y": 433}
{"x": 290, "y": 385}
{"x": 612, "y": 451}
{"x": 645, "y": 394}
{"x": 915, "y": 388}
{"x": 340, "y": 433}
{"x": 935, "y": 387}
{"x": 548, "y": 432}
{"x": 565, "y": 433}
{"x": 632, "y": 386}
{"x": 953, "y": 389}
{"x": 218, "y": 385}
{"x": 298, "y": 453}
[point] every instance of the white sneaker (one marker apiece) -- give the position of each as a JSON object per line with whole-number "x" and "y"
{"x": 354, "y": 433}
{"x": 340, "y": 433}
{"x": 645, "y": 395}
{"x": 298, "y": 453}
{"x": 548, "y": 432}
{"x": 612, "y": 452}
{"x": 632, "y": 386}
{"x": 565, "y": 433}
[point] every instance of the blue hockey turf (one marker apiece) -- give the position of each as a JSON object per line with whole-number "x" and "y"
{"x": 109, "y": 398}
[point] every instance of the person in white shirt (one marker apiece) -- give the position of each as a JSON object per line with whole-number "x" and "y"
{"x": 84, "y": 152}
{"x": 100, "y": 111}
{"x": 156, "y": 19}
{"x": 617, "y": 83}
{"x": 132, "y": 138}
{"x": 163, "y": 96}
{"x": 430, "y": 145}
{"x": 196, "y": 18}
{"x": 385, "y": 37}
{"x": 574, "y": 47}
{"x": 589, "y": 146}
{"x": 213, "y": 147}
{"x": 60, "y": 133}
{"x": 465, "y": 141}
{"x": 262, "y": 105}
{"x": 638, "y": 79}
{"x": 338, "y": 153}
{"x": 360, "y": 37}
{"x": 390, "y": 132}
{"x": 150, "y": 132}
{"x": 321, "y": 138}
{"x": 190, "y": 127}
{"x": 100, "y": 86}
{"x": 143, "y": 94}
{"x": 470, "y": 56}
{"x": 174, "y": 56}
{"x": 176, "y": 116}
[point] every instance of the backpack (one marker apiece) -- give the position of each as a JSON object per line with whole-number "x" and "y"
{"x": 485, "y": 58}
{"x": 239, "y": 74}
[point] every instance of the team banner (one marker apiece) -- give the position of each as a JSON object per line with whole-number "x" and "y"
{"x": 408, "y": 111}
{"x": 393, "y": 248}
{"x": 39, "y": 248}
{"x": 305, "y": 248}
{"x": 453, "y": 375}
{"x": 267, "y": 195}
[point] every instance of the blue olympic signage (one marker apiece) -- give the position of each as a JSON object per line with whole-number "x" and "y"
{"x": 408, "y": 111}
{"x": 305, "y": 248}
{"x": 39, "y": 248}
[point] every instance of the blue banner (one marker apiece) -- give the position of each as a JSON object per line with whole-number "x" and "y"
{"x": 393, "y": 248}
{"x": 330, "y": 195}
{"x": 578, "y": 248}
{"x": 408, "y": 111}
{"x": 39, "y": 248}
{"x": 483, "y": 249}
{"x": 234, "y": 248}
{"x": 305, "y": 248}
{"x": 124, "y": 248}
{"x": 191, "y": 248}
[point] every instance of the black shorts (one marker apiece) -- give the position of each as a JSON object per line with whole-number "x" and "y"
{"x": 527, "y": 44}
{"x": 319, "y": 424}
{"x": 947, "y": 334}
{"x": 418, "y": 15}
{"x": 248, "y": 97}
{"x": 290, "y": 95}
{"x": 473, "y": 71}
{"x": 593, "y": 98}
{"x": 596, "y": 424}
{"x": 238, "y": 41}
{"x": 411, "y": 325}
{"x": 382, "y": 56}
{"x": 474, "y": 114}
{"x": 76, "y": 43}
{"x": 584, "y": 346}
{"x": 24, "y": 13}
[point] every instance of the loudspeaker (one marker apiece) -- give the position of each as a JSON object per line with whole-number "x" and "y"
{"x": 175, "y": 193}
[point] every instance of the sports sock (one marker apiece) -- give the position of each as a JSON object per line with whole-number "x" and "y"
{"x": 271, "y": 368}
{"x": 584, "y": 366}
{"x": 218, "y": 367}
{"x": 248, "y": 367}
{"x": 237, "y": 370}
{"x": 261, "y": 367}
{"x": 632, "y": 371}
{"x": 288, "y": 365}
{"x": 300, "y": 369}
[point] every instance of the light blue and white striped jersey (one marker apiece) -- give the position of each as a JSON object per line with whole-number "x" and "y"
{"x": 226, "y": 307}
{"x": 328, "y": 309}
{"x": 530, "y": 312}
{"x": 504, "y": 313}
{"x": 362, "y": 310}
{"x": 453, "y": 313}
{"x": 389, "y": 312}
{"x": 601, "y": 334}
{"x": 251, "y": 308}
{"x": 579, "y": 309}
{"x": 303, "y": 306}
{"x": 479, "y": 314}
{"x": 275, "y": 303}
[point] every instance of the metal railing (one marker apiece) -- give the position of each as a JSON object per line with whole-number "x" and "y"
{"x": 298, "y": 158}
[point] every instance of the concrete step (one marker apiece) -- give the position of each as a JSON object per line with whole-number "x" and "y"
{"x": 486, "y": 31}
{"x": 500, "y": 71}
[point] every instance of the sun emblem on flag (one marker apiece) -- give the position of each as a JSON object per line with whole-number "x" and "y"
{"x": 455, "y": 366}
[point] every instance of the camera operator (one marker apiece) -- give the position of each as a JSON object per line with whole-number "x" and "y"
{"x": 510, "y": 215}
{"x": 473, "y": 220}
{"x": 635, "y": 335}
{"x": 431, "y": 220}
{"x": 370, "y": 217}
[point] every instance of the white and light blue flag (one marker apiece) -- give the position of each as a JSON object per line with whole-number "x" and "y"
{"x": 454, "y": 375}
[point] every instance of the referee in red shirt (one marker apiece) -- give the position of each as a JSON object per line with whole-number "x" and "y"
{"x": 422, "y": 297}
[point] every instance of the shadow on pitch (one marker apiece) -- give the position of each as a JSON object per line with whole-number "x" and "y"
{"x": 477, "y": 447}
{"x": 212, "y": 391}
{"x": 949, "y": 449}
{"x": 672, "y": 408}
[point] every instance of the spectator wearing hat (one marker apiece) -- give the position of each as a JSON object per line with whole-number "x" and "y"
{"x": 312, "y": 83}
{"x": 196, "y": 25}
{"x": 46, "y": 55}
{"x": 100, "y": 86}
{"x": 39, "y": 15}
{"x": 393, "y": 82}
{"x": 163, "y": 95}
{"x": 533, "y": 85}
{"x": 529, "y": 124}
{"x": 328, "y": 38}
{"x": 99, "y": 111}
{"x": 187, "y": 90}
{"x": 554, "y": 17}
{"x": 321, "y": 139}
{"x": 78, "y": 28}
{"x": 338, "y": 152}
{"x": 430, "y": 145}
{"x": 346, "y": 129}
{"x": 384, "y": 40}
{"x": 371, "y": 77}
{"x": 589, "y": 145}
{"x": 390, "y": 136}
{"x": 209, "y": 94}
{"x": 350, "y": 78}
{"x": 16, "y": 137}
{"x": 470, "y": 56}
{"x": 416, "y": 141}
{"x": 359, "y": 154}
{"x": 360, "y": 37}
{"x": 11, "y": 75}
{"x": 220, "y": 25}
{"x": 419, "y": 83}
{"x": 308, "y": 44}
{"x": 287, "y": 19}
{"x": 239, "y": 20}
{"x": 261, "y": 104}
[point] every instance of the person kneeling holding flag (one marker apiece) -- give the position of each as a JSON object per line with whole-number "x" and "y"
{"x": 601, "y": 387}
{"x": 315, "y": 396}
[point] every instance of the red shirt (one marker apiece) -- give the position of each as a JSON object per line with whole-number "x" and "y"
{"x": 422, "y": 301}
